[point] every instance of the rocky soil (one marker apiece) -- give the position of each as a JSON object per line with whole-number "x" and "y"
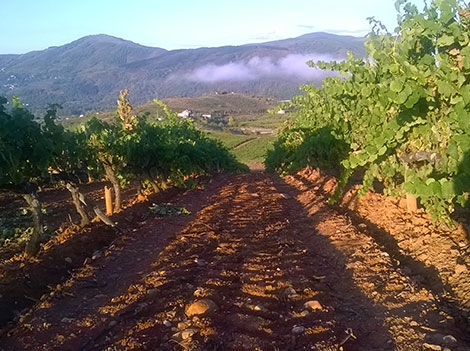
{"x": 261, "y": 263}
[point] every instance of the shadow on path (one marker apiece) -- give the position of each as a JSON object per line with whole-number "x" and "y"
{"x": 421, "y": 275}
{"x": 256, "y": 252}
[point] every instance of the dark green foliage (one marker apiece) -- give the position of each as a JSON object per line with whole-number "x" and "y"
{"x": 24, "y": 150}
{"x": 25, "y": 156}
{"x": 69, "y": 156}
{"x": 297, "y": 148}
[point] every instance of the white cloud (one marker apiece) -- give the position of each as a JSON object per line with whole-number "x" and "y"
{"x": 290, "y": 66}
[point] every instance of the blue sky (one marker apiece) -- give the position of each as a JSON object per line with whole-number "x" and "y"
{"x": 37, "y": 24}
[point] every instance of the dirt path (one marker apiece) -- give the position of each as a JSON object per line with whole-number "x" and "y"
{"x": 243, "y": 143}
{"x": 258, "y": 250}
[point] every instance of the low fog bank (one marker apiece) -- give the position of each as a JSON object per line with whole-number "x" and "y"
{"x": 292, "y": 66}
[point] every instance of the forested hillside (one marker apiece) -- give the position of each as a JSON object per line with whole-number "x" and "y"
{"x": 88, "y": 73}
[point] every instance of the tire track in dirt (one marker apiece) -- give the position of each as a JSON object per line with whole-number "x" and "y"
{"x": 259, "y": 250}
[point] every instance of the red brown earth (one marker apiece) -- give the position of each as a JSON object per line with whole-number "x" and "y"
{"x": 277, "y": 268}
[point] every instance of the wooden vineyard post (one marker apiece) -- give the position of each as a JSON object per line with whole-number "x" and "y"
{"x": 109, "y": 201}
{"x": 411, "y": 203}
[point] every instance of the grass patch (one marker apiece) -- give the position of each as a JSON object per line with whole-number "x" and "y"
{"x": 269, "y": 121}
{"x": 230, "y": 140}
{"x": 255, "y": 150}
{"x": 246, "y": 148}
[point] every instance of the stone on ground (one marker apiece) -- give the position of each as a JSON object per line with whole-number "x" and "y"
{"x": 201, "y": 307}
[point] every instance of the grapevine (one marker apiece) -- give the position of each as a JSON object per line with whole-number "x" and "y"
{"x": 37, "y": 152}
{"x": 403, "y": 111}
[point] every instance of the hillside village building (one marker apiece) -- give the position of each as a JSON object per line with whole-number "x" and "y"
{"x": 186, "y": 114}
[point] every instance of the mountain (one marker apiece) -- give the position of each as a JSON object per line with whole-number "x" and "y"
{"x": 87, "y": 74}
{"x": 320, "y": 43}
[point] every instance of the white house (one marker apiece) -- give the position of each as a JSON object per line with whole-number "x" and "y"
{"x": 186, "y": 114}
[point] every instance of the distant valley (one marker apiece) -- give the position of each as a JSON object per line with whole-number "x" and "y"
{"x": 87, "y": 74}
